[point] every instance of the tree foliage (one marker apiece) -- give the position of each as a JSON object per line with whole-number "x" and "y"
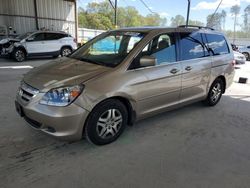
{"x": 101, "y": 16}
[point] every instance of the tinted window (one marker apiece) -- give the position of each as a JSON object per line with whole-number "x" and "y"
{"x": 192, "y": 46}
{"x": 38, "y": 37}
{"x": 54, "y": 36}
{"x": 217, "y": 44}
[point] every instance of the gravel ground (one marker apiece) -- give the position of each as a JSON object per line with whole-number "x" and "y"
{"x": 194, "y": 146}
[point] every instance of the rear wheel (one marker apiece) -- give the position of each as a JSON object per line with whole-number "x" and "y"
{"x": 215, "y": 92}
{"x": 246, "y": 55}
{"x": 19, "y": 55}
{"x": 106, "y": 122}
{"x": 66, "y": 51}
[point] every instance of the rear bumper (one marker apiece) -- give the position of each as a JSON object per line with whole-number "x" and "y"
{"x": 65, "y": 123}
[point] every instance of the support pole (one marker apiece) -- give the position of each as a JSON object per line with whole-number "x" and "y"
{"x": 188, "y": 10}
{"x": 36, "y": 17}
{"x": 115, "y": 13}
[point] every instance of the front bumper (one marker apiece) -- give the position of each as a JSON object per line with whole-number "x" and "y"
{"x": 65, "y": 123}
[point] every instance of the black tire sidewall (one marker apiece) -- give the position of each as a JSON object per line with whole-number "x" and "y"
{"x": 208, "y": 100}
{"x": 90, "y": 126}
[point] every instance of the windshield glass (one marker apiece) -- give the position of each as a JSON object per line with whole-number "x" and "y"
{"x": 109, "y": 49}
{"x": 23, "y": 36}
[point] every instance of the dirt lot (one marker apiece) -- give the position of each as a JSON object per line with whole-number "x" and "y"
{"x": 194, "y": 146}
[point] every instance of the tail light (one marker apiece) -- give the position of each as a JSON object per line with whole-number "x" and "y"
{"x": 75, "y": 40}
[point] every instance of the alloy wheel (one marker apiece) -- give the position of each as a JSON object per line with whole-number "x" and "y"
{"x": 216, "y": 92}
{"x": 20, "y": 56}
{"x": 109, "y": 123}
{"x": 66, "y": 52}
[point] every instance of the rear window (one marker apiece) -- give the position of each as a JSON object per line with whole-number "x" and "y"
{"x": 217, "y": 43}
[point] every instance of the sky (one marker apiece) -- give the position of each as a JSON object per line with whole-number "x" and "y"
{"x": 169, "y": 8}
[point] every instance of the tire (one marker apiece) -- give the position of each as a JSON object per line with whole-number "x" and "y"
{"x": 19, "y": 55}
{"x": 215, "y": 92}
{"x": 65, "y": 51}
{"x": 106, "y": 122}
{"x": 246, "y": 55}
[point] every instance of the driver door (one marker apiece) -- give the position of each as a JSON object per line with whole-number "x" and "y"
{"x": 163, "y": 85}
{"x": 35, "y": 44}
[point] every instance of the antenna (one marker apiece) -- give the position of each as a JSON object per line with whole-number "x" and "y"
{"x": 188, "y": 10}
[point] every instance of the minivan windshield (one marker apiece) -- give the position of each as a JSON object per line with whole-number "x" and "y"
{"x": 108, "y": 49}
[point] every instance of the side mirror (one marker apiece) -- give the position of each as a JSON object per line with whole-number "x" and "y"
{"x": 30, "y": 39}
{"x": 147, "y": 61}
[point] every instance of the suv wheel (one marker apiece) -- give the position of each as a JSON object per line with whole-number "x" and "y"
{"x": 215, "y": 92}
{"x": 106, "y": 122}
{"x": 246, "y": 55}
{"x": 19, "y": 55}
{"x": 66, "y": 51}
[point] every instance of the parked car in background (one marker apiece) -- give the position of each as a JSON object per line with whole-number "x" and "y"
{"x": 39, "y": 43}
{"x": 239, "y": 58}
{"x": 245, "y": 50}
{"x": 98, "y": 90}
{"x": 234, "y": 47}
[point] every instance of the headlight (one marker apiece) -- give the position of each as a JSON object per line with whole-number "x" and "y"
{"x": 62, "y": 96}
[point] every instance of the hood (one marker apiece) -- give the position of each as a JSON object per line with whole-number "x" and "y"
{"x": 6, "y": 40}
{"x": 62, "y": 72}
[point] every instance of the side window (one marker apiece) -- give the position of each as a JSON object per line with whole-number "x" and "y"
{"x": 39, "y": 37}
{"x": 161, "y": 47}
{"x": 52, "y": 36}
{"x": 192, "y": 46}
{"x": 217, "y": 44}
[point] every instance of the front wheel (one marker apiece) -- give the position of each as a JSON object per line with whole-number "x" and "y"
{"x": 215, "y": 92}
{"x": 19, "y": 55}
{"x": 106, "y": 122}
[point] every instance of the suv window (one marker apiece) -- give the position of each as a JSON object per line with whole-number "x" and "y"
{"x": 217, "y": 44}
{"x": 162, "y": 47}
{"x": 53, "y": 36}
{"x": 39, "y": 37}
{"x": 192, "y": 46}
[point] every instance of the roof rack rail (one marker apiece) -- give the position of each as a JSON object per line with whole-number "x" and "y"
{"x": 196, "y": 26}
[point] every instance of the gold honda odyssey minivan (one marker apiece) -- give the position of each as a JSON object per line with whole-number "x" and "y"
{"x": 122, "y": 76}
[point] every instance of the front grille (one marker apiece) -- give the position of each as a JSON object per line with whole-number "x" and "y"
{"x": 27, "y": 92}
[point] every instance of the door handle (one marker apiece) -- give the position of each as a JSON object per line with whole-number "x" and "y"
{"x": 174, "y": 71}
{"x": 188, "y": 68}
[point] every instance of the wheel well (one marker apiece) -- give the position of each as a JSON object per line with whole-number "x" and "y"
{"x": 131, "y": 112}
{"x": 22, "y": 48}
{"x": 66, "y": 46}
{"x": 224, "y": 81}
{"x": 123, "y": 100}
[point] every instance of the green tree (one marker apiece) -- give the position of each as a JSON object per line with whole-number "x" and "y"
{"x": 223, "y": 19}
{"x": 177, "y": 20}
{"x": 214, "y": 21}
{"x": 235, "y": 10}
{"x": 246, "y": 16}
{"x": 196, "y": 22}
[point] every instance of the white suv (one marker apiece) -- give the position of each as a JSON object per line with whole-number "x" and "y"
{"x": 39, "y": 43}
